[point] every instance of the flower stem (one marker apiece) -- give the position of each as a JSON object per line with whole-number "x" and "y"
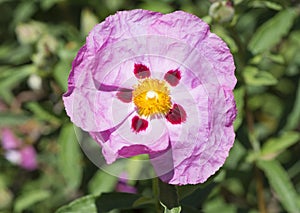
{"x": 260, "y": 191}
{"x": 155, "y": 189}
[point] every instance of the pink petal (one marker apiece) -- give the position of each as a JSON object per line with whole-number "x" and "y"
{"x": 201, "y": 144}
{"x": 124, "y": 142}
{"x": 9, "y": 140}
{"x": 94, "y": 110}
{"x": 28, "y": 158}
{"x": 195, "y": 34}
{"x": 125, "y": 187}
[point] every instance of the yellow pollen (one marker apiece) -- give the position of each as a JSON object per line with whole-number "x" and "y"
{"x": 152, "y": 97}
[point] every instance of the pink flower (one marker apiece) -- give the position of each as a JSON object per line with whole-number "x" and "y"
{"x": 9, "y": 140}
{"x": 148, "y": 83}
{"x": 16, "y": 152}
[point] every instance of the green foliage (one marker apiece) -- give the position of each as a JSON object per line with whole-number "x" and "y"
{"x": 84, "y": 204}
{"x": 270, "y": 33}
{"x": 69, "y": 157}
{"x": 39, "y": 40}
{"x": 280, "y": 182}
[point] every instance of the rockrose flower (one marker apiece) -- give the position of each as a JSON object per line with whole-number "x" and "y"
{"x": 149, "y": 83}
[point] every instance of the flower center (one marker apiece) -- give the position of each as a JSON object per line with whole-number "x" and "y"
{"x": 152, "y": 97}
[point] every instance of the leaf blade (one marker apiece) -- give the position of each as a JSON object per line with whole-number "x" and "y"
{"x": 280, "y": 182}
{"x": 271, "y": 32}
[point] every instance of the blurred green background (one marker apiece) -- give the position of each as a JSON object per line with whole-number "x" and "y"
{"x": 40, "y": 38}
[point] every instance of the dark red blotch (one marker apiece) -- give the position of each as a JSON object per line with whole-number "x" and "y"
{"x": 173, "y": 77}
{"x": 125, "y": 95}
{"x": 141, "y": 71}
{"x": 176, "y": 115}
{"x": 138, "y": 124}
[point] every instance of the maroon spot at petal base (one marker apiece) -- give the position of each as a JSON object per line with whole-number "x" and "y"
{"x": 138, "y": 124}
{"x": 141, "y": 71}
{"x": 125, "y": 95}
{"x": 173, "y": 77}
{"x": 176, "y": 115}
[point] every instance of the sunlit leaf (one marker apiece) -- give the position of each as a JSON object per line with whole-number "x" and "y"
{"x": 239, "y": 99}
{"x": 88, "y": 21}
{"x": 42, "y": 114}
{"x": 218, "y": 204}
{"x": 102, "y": 182}
{"x": 276, "y": 145}
{"x": 84, "y": 204}
{"x": 271, "y": 32}
{"x": 173, "y": 210}
{"x": 264, "y": 4}
{"x": 255, "y": 77}
{"x": 12, "y": 77}
{"x": 281, "y": 183}
{"x": 70, "y": 157}
{"x": 158, "y": 6}
{"x": 30, "y": 198}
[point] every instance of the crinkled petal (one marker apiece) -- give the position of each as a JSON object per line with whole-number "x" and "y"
{"x": 124, "y": 142}
{"x": 192, "y": 31}
{"x": 94, "y": 110}
{"x": 199, "y": 149}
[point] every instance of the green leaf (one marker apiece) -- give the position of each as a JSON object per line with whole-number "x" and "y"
{"x": 102, "y": 182}
{"x": 158, "y": 6}
{"x": 237, "y": 152}
{"x": 28, "y": 199}
{"x": 168, "y": 195}
{"x": 294, "y": 117}
{"x": 218, "y": 205}
{"x": 12, "y": 77}
{"x": 9, "y": 119}
{"x": 276, "y": 145}
{"x": 62, "y": 69}
{"x": 186, "y": 190}
{"x": 84, "y": 204}
{"x": 220, "y": 31}
{"x": 24, "y": 11}
{"x": 239, "y": 99}
{"x": 115, "y": 200}
{"x": 264, "y": 4}
{"x": 173, "y": 210}
{"x": 88, "y": 21}
{"x": 196, "y": 197}
{"x": 255, "y": 77}
{"x": 280, "y": 182}
{"x": 70, "y": 157}
{"x": 272, "y": 31}
{"x": 42, "y": 113}
{"x": 142, "y": 201}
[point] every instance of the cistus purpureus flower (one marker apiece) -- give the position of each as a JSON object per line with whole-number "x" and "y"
{"x": 157, "y": 84}
{"x": 17, "y": 152}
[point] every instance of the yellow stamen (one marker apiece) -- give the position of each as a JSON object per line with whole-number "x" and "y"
{"x": 152, "y": 97}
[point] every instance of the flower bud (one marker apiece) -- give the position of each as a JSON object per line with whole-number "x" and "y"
{"x": 221, "y": 11}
